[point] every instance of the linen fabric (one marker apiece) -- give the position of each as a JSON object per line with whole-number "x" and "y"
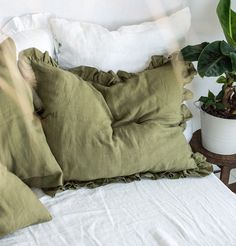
{"x": 23, "y": 146}
{"x": 19, "y": 207}
{"x": 129, "y": 48}
{"x": 166, "y": 212}
{"x": 30, "y": 30}
{"x": 102, "y": 126}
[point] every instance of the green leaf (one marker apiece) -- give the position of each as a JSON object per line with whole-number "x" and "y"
{"x": 233, "y": 60}
{"x": 220, "y": 106}
{"x": 221, "y": 80}
{"x": 212, "y": 62}
{"x": 192, "y": 52}
{"x": 211, "y": 95}
{"x": 226, "y": 48}
{"x": 233, "y": 75}
{"x": 208, "y": 104}
{"x": 227, "y": 18}
{"x": 220, "y": 95}
{"x": 203, "y": 99}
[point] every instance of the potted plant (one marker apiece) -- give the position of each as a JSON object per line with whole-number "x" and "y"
{"x": 218, "y": 59}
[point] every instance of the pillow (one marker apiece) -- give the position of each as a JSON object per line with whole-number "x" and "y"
{"x": 105, "y": 126}
{"x": 129, "y": 48}
{"x": 31, "y": 30}
{"x": 19, "y": 207}
{"x": 23, "y": 146}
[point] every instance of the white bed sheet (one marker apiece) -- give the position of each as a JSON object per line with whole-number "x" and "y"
{"x": 192, "y": 211}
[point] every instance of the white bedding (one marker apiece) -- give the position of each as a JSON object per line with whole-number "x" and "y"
{"x": 192, "y": 211}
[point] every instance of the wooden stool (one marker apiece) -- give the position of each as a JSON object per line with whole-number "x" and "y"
{"x": 225, "y": 162}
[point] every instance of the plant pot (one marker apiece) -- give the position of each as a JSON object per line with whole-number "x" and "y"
{"x": 218, "y": 134}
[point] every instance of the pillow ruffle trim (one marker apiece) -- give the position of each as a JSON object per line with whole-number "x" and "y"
{"x": 203, "y": 168}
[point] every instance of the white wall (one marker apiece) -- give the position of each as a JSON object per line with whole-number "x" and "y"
{"x": 205, "y": 27}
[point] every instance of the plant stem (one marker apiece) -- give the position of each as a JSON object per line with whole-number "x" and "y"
{"x": 228, "y": 90}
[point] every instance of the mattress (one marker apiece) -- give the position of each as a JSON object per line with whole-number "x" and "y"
{"x": 192, "y": 211}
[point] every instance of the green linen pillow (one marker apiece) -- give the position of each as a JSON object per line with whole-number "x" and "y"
{"x": 19, "y": 207}
{"x": 104, "y": 127}
{"x": 23, "y": 146}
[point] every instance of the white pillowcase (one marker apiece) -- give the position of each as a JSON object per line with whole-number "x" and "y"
{"x": 31, "y": 30}
{"x": 129, "y": 48}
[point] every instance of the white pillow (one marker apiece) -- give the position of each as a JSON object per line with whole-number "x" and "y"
{"x": 31, "y": 30}
{"x": 128, "y": 48}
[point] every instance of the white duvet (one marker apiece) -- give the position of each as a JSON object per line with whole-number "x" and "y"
{"x": 192, "y": 211}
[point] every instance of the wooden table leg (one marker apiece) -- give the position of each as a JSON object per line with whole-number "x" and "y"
{"x": 232, "y": 187}
{"x": 224, "y": 175}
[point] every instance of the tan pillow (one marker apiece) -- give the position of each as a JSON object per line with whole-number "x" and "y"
{"x": 19, "y": 207}
{"x": 23, "y": 146}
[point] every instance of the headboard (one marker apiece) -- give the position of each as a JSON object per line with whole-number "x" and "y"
{"x": 109, "y": 13}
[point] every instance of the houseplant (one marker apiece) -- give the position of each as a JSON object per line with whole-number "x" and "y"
{"x": 218, "y": 59}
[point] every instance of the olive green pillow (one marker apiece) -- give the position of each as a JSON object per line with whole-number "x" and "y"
{"x": 23, "y": 146}
{"x": 104, "y": 126}
{"x": 19, "y": 207}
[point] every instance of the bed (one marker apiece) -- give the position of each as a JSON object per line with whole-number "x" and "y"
{"x": 191, "y": 211}
{"x": 163, "y": 212}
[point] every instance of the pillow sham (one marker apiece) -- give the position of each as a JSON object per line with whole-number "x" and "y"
{"x": 129, "y": 48}
{"x": 31, "y": 30}
{"x": 23, "y": 146}
{"x": 19, "y": 207}
{"x": 105, "y": 126}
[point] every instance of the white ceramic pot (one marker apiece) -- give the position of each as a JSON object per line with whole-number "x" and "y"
{"x": 218, "y": 134}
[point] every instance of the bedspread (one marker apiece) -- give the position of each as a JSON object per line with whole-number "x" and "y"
{"x": 163, "y": 212}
